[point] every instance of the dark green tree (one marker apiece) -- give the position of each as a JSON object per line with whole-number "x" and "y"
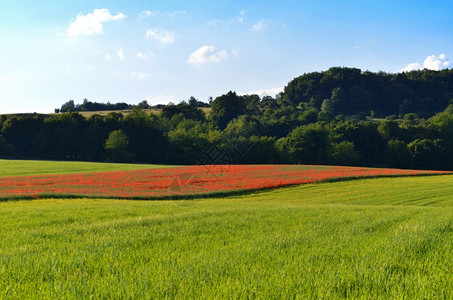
{"x": 225, "y": 108}
{"x": 20, "y": 132}
{"x": 308, "y": 144}
{"x": 428, "y": 154}
{"x": 397, "y": 154}
{"x": 117, "y": 147}
{"x": 186, "y": 110}
{"x": 344, "y": 154}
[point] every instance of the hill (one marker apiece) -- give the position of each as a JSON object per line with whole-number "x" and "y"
{"x": 351, "y": 91}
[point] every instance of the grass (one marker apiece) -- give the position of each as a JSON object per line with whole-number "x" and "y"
{"x": 38, "y": 167}
{"x": 372, "y": 238}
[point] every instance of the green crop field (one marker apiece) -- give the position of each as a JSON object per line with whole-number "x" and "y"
{"x": 371, "y": 238}
{"x": 39, "y": 167}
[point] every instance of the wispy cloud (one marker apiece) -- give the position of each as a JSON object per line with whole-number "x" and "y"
{"x": 91, "y": 24}
{"x": 108, "y": 56}
{"x": 140, "y": 75}
{"x": 152, "y": 13}
{"x": 121, "y": 54}
{"x": 149, "y": 13}
{"x": 260, "y": 25}
{"x": 175, "y": 13}
{"x": 237, "y": 19}
{"x": 207, "y": 54}
{"x": 161, "y": 36}
{"x": 144, "y": 55}
{"x": 431, "y": 62}
{"x": 236, "y": 52}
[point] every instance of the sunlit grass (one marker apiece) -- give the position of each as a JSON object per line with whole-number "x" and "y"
{"x": 39, "y": 167}
{"x": 373, "y": 238}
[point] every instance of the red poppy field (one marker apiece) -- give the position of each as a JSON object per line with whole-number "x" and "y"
{"x": 183, "y": 182}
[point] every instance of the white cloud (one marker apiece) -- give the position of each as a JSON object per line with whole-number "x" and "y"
{"x": 238, "y": 19}
{"x": 431, "y": 62}
{"x": 149, "y": 13}
{"x": 142, "y": 55}
{"x": 121, "y": 54}
{"x": 161, "y": 36}
{"x": 207, "y": 54}
{"x": 140, "y": 75}
{"x": 152, "y": 13}
{"x": 436, "y": 63}
{"x": 118, "y": 17}
{"x": 161, "y": 99}
{"x": 108, "y": 57}
{"x": 260, "y": 25}
{"x": 91, "y": 24}
{"x": 176, "y": 12}
{"x": 236, "y": 52}
{"x": 411, "y": 67}
{"x": 265, "y": 92}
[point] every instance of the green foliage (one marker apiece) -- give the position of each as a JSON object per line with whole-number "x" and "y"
{"x": 262, "y": 150}
{"x": 307, "y": 117}
{"x": 225, "y": 108}
{"x": 6, "y": 150}
{"x": 307, "y": 144}
{"x": 117, "y": 146}
{"x": 397, "y": 154}
{"x": 61, "y": 137}
{"x": 146, "y": 138}
{"x": 117, "y": 141}
{"x": 344, "y": 154}
{"x": 186, "y": 110}
{"x": 366, "y": 138}
{"x": 70, "y": 106}
{"x": 244, "y": 126}
{"x": 386, "y": 238}
{"x": 328, "y": 106}
{"x": 424, "y": 92}
{"x": 20, "y": 131}
{"x": 189, "y": 138}
{"x": 443, "y": 123}
{"x": 389, "y": 130}
{"x": 428, "y": 154}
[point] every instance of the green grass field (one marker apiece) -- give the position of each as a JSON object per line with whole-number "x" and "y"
{"x": 372, "y": 238}
{"x": 38, "y": 167}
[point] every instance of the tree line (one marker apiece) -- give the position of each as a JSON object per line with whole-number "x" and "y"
{"x": 293, "y": 127}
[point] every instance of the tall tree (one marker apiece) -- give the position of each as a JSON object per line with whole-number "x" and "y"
{"x": 225, "y": 108}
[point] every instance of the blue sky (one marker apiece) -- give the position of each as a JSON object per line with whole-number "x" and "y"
{"x": 161, "y": 51}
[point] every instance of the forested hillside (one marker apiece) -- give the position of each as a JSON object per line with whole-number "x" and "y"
{"x": 341, "y": 116}
{"x": 351, "y": 91}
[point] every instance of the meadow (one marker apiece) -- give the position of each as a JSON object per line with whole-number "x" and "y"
{"x": 367, "y": 238}
{"x": 9, "y": 168}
